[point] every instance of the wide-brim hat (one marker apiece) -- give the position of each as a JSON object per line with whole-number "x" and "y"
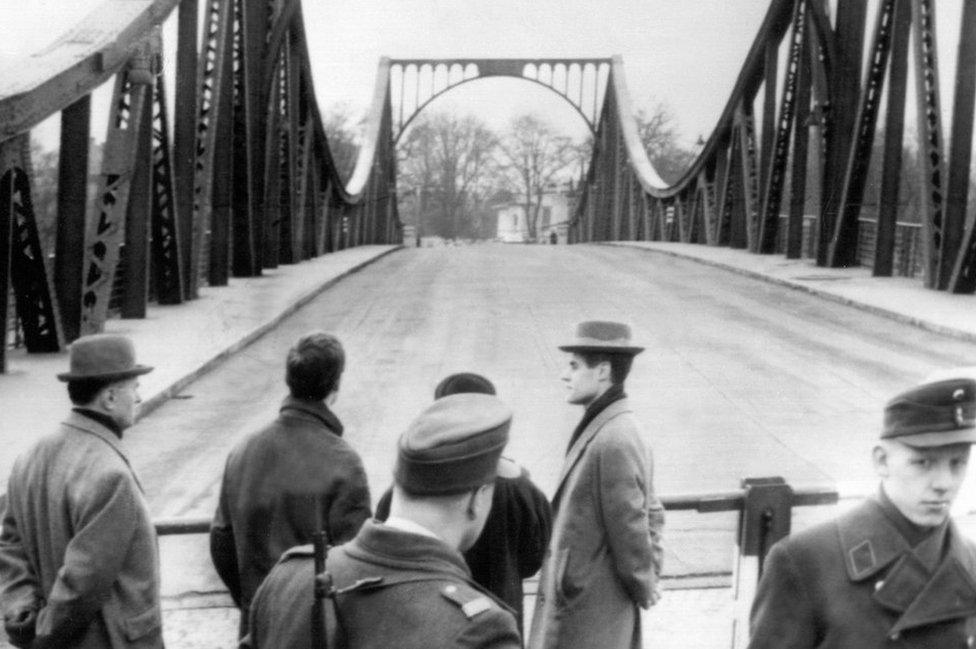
{"x": 602, "y": 336}
{"x": 104, "y": 357}
{"x": 938, "y": 413}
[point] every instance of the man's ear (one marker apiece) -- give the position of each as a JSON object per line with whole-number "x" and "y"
{"x": 603, "y": 371}
{"x": 879, "y": 457}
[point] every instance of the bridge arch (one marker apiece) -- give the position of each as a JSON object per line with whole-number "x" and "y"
{"x": 428, "y": 79}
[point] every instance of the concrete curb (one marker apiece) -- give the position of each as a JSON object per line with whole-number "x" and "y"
{"x": 921, "y": 323}
{"x": 167, "y": 393}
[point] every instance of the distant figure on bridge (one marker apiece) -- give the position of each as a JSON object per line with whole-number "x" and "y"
{"x": 292, "y": 478}
{"x": 78, "y": 561}
{"x": 403, "y": 583}
{"x": 516, "y": 534}
{"x": 604, "y": 560}
{"x": 893, "y": 571}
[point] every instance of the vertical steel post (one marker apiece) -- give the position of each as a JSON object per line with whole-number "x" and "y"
{"x": 960, "y": 245}
{"x": 801, "y": 141}
{"x": 135, "y": 289}
{"x": 765, "y": 518}
{"x": 69, "y": 246}
{"x": 184, "y": 136}
{"x": 884, "y": 245}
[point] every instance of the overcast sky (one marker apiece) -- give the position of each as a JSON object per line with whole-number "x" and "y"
{"x": 685, "y": 53}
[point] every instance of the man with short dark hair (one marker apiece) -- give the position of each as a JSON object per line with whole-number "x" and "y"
{"x": 894, "y": 571}
{"x": 604, "y": 559}
{"x": 291, "y": 479}
{"x": 403, "y": 583}
{"x": 78, "y": 561}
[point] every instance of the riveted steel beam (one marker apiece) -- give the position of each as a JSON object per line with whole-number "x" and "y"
{"x": 963, "y": 278}
{"x": 72, "y": 202}
{"x": 884, "y": 241}
{"x": 930, "y": 145}
{"x": 843, "y": 244}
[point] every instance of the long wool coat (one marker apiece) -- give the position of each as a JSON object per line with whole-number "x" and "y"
{"x": 78, "y": 541}
{"x": 854, "y": 582}
{"x": 605, "y": 555}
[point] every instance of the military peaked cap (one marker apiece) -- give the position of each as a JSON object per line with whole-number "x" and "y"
{"x": 933, "y": 414}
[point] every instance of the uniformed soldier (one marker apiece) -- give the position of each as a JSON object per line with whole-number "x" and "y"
{"x": 894, "y": 571}
{"x": 404, "y": 583}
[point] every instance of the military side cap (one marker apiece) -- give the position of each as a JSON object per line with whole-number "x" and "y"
{"x": 933, "y": 414}
{"x": 453, "y": 446}
{"x": 602, "y": 336}
{"x": 106, "y": 357}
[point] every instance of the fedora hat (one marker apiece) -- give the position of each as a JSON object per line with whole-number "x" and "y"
{"x": 107, "y": 357}
{"x": 602, "y": 336}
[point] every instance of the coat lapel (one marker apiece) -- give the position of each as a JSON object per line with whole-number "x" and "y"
{"x": 922, "y": 597}
{"x": 579, "y": 446}
{"x": 79, "y": 422}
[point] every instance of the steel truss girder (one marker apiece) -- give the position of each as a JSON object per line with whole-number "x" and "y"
{"x": 775, "y": 167}
{"x": 445, "y": 74}
{"x": 106, "y": 232}
{"x": 963, "y": 278}
{"x": 21, "y": 257}
{"x": 930, "y": 145}
{"x": 843, "y": 244}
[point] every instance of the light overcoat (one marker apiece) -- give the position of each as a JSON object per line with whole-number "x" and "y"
{"x": 77, "y": 541}
{"x": 604, "y": 559}
{"x": 855, "y": 582}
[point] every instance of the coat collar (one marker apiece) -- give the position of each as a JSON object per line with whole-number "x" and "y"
{"x": 576, "y": 450}
{"x": 78, "y": 421}
{"x": 871, "y": 544}
{"x": 312, "y": 411}
{"x": 395, "y": 548}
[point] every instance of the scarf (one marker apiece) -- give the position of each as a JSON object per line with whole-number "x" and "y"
{"x": 614, "y": 393}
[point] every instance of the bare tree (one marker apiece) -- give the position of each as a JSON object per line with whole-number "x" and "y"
{"x": 344, "y": 133}
{"x": 447, "y": 164}
{"x": 659, "y": 135}
{"x": 534, "y": 156}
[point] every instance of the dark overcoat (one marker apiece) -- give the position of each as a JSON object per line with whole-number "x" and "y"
{"x": 77, "y": 541}
{"x": 854, "y": 582}
{"x": 604, "y": 559}
{"x": 281, "y": 485}
{"x": 399, "y": 590}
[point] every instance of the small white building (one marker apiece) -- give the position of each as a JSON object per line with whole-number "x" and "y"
{"x": 558, "y": 203}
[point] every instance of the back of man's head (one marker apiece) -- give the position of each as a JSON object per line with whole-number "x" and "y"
{"x": 314, "y": 366}
{"x": 463, "y": 383}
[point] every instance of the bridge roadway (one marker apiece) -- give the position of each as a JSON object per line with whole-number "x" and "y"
{"x": 740, "y": 378}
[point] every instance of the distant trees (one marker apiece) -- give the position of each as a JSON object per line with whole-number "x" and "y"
{"x": 344, "y": 133}
{"x": 659, "y": 134}
{"x": 533, "y": 156}
{"x": 448, "y": 165}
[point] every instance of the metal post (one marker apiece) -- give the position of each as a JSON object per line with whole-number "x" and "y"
{"x": 765, "y": 518}
{"x": 72, "y": 203}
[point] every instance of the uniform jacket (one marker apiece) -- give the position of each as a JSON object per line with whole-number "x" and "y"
{"x": 513, "y": 542}
{"x": 605, "y": 555}
{"x": 77, "y": 541}
{"x": 397, "y": 589}
{"x": 281, "y": 485}
{"x": 854, "y": 582}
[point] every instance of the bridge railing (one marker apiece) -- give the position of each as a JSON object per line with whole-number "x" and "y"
{"x": 765, "y": 513}
{"x": 813, "y": 133}
{"x": 240, "y": 179}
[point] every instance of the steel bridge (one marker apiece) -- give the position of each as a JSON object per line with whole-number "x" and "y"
{"x": 241, "y": 178}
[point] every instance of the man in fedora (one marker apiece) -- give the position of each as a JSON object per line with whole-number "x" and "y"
{"x": 403, "y": 582}
{"x": 78, "y": 561}
{"x": 893, "y": 571}
{"x": 604, "y": 559}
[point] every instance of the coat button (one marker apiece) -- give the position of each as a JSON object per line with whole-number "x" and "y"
{"x": 970, "y": 641}
{"x": 894, "y": 636}
{"x": 878, "y": 585}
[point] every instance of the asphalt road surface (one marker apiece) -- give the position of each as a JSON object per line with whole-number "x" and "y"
{"x": 740, "y": 377}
